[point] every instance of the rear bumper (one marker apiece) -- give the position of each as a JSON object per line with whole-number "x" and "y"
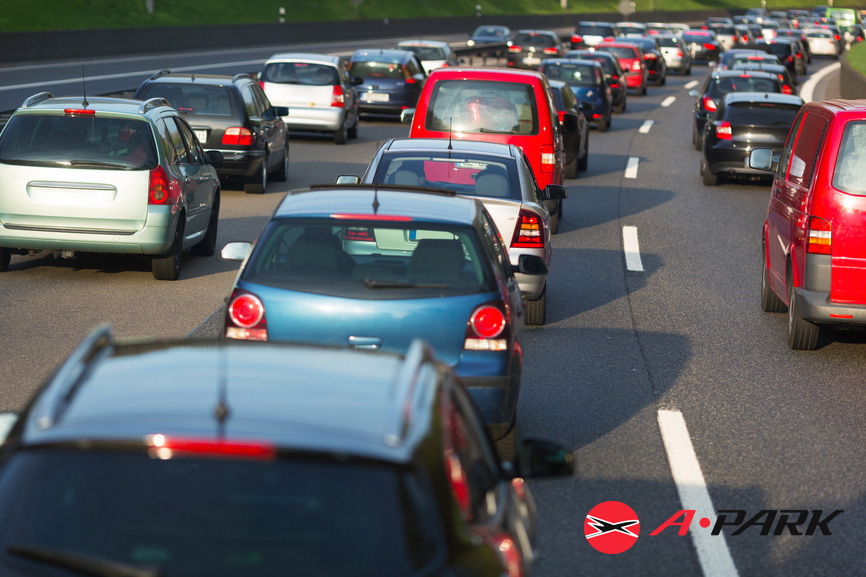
{"x": 315, "y": 119}
{"x": 243, "y": 163}
{"x": 816, "y": 306}
{"x": 635, "y": 80}
{"x": 731, "y": 160}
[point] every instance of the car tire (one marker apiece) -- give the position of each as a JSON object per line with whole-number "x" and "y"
{"x": 341, "y": 135}
{"x": 688, "y": 70}
{"x": 802, "y": 335}
{"x": 353, "y": 131}
{"x": 663, "y": 81}
{"x": 619, "y": 108}
{"x": 282, "y": 174}
{"x": 770, "y": 301}
{"x": 641, "y": 91}
{"x": 259, "y": 182}
{"x": 583, "y": 163}
{"x": 696, "y": 138}
{"x": 5, "y": 258}
{"x": 207, "y": 245}
{"x": 168, "y": 267}
{"x": 709, "y": 178}
{"x": 554, "y": 222}
{"x": 506, "y": 445}
{"x": 536, "y": 311}
{"x": 603, "y": 124}
{"x": 571, "y": 167}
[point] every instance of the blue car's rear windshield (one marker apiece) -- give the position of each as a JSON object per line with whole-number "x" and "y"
{"x": 573, "y": 74}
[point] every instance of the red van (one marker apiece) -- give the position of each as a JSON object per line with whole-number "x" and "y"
{"x": 496, "y": 105}
{"x": 814, "y": 237}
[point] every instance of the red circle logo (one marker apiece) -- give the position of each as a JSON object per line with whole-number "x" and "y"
{"x": 611, "y": 527}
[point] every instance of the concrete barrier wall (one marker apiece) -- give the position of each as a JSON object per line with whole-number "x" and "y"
{"x": 852, "y": 84}
{"x": 72, "y": 44}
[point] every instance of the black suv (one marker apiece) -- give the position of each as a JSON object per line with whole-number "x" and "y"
{"x": 233, "y": 115}
{"x": 247, "y": 458}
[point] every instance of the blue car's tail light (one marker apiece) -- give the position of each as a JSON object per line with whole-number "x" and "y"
{"x": 246, "y": 314}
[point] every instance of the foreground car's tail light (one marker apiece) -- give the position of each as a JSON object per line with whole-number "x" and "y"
{"x": 514, "y": 48}
{"x": 167, "y": 447}
{"x": 529, "y": 232}
{"x": 162, "y": 190}
{"x": 238, "y": 136}
{"x": 337, "y": 99}
{"x": 484, "y": 330}
{"x": 509, "y": 554}
{"x": 247, "y": 313}
{"x": 548, "y": 158}
{"x": 708, "y": 103}
{"x": 723, "y": 130}
{"x": 819, "y": 236}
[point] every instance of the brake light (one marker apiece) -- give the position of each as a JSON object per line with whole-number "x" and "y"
{"x": 360, "y": 233}
{"x": 636, "y": 65}
{"x": 708, "y": 103}
{"x": 337, "y": 99}
{"x": 608, "y": 39}
{"x": 247, "y": 313}
{"x": 561, "y": 115}
{"x": 410, "y": 80}
{"x": 262, "y": 84}
{"x": 487, "y": 322}
{"x": 650, "y": 56}
{"x": 514, "y": 48}
{"x": 79, "y": 112}
{"x": 786, "y": 89}
{"x": 723, "y": 130}
{"x": 162, "y": 447}
{"x": 238, "y": 136}
{"x": 819, "y": 236}
{"x": 457, "y": 479}
{"x": 529, "y": 232}
{"x": 708, "y": 46}
{"x": 508, "y": 553}
{"x": 680, "y": 54}
{"x": 548, "y": 159}
{"x": 576, "y": 38}
{"x": 377, "y": 217}
{"x": 162, "y": 190}
{"x": 551, "y": 50}
{"x": 836, "y": 36}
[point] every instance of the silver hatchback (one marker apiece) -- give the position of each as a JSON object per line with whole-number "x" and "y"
{"x": 107, "y": 175}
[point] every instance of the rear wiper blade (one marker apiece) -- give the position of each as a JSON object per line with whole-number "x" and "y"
{"x": 96, "y": 163}
{"x": 491, "y": 131}
{"x": 85, "y": 564}
{"x": 375, "y": 284}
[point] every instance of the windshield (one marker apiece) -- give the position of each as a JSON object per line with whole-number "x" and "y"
{"x": 89, "y": 142}
{"x": 300, "y": 73}
{"x": 533, "y": 39}
{"x": 742, "y": 83}
{"x": 482, "y": 106}
{"x": 573, "y": 74}
{"x": 393, "y": 70}
{"x": 425, "y": 52}
{"x": 761, "y": 114}
{"x": 192, "y": 99}
{"x": 218, "y": 517}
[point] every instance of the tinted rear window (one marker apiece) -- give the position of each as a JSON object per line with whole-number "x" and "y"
{"x": 373, "y": 69}
{"x": 620, "y": 51}
{"x": 699, "y": 37}
{"x": 219, "y": 517}
{"x": 426, "y": 52}
{"x": 300, "y": 73}
{"x": 592, "y": 30}
{"x": 482, "y": 106}
{"x": 851, "y": 160}
{"x": 761, "y": 114}
{"x": 88, "y": 142}
{"x": 538, "y": 40}
{"x": 192, "y": 99}
{"x": 744, "y": 83}
{"x": 370, "y": 260}
{"x": 573, "y": 74}
{"x": 668, "y": 42}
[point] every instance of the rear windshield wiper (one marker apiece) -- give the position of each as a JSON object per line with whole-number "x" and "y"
{"x": 491, "y": 131}
{"x": 97, "y": 163}
{"x": 376, "y": 284}
{"x": 85, "y": 564}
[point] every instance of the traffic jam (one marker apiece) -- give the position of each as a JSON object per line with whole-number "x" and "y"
{"x": 428, "y": 312}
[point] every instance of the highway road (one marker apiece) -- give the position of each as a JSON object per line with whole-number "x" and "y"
{"x": 656, "y": 362}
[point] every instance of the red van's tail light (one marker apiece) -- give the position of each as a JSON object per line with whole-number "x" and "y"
{"x": 708, "y": 103}
{"x": 337, "y": 99}
{"x": 360, "y": 233}
{"x": 514, "y": 48}
{"x": 238, "y": 136}
{"x": 548, "y": 158}
{"x": 484, "y": 330}
{"x": 819, "y": 236}
{"x": 162, "y": 190}
{"x": 163, "y": 447}
{"x": 576, "y": 38}
{"x": 723, "y": 130}
{"x": 529, "y": 232}
{"x": 551, "y": 50}
{"x": 247, "y": 313}
{"x": 509, "y": 554}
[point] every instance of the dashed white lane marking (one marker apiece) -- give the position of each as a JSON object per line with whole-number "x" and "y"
{"x": 808, "y": 88}
{"x": 690, "y": 85}
{"x": 668, "y": 101}
{"x": 631, "y": 168}
{"x": 713, "y": 553}
{"x": 631, "y": 248}
{"x": 645, "y": 127}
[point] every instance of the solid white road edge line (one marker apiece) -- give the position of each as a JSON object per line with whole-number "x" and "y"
{"x": 631, "y": 168}
{"x": 668, "y": 101}
{"x": 690, "y": 85}
{"x": 631, "y": 248}
{"x": 808, "y": 88}
{"x": 645, "y": 127}
{"x": 713, "y": 553}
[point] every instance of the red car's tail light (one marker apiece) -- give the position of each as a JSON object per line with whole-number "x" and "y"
{"x": 163, "y": 447}
{"x": 162, "y": 190}
{"x": 247, "y": 313}
{"x": 237, "y": 136}
{"x": 337, "y": 98}
{"x": 723, "y": 130}
{"x": 529, "y": 232}
{"x": 708, "y": 103}
{"x": 820, "y": 236}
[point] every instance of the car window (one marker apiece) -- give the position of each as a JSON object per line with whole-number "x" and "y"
{"x": 181, "y": 154}
{"x": 251, "y": 104}
{"x": 425, "y": 52}
{"x": 305, "y": 73}
{"x": 761, "y": 114}
{"x": 806, "y": 148}
{"x": 851, "y": 160}
{"x": 495, "y": 245}
{"x": 372, "y": 69}
{"x": 533, "y": 39}
{"x": 573, "y": 73}
{"x": 620, "y": 51}
{"x": 191, "y": 99}
{"x": 263, "y": 103}
{"x": 593, "y": 30}
{"x": 528, "y": 168}
{"x": 87, "y": 142}
{"x": 413, "y": 67}
{"x": 479, "y": 106}
{"x": 196, "y": 155}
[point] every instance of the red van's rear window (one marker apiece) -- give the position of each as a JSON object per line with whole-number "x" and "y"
{"x": 851, "y": 160}
{"x": 482, "y": 106}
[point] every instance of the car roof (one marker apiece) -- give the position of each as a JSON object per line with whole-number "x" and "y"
{"x": 300, "y": 397}
{"x": 304, "y": 57}
{"x": 444, "y": 144}
{"x": 506, "y": 74}
{"x": 379, "y": 202}
{"x": 537, "y": 31}
{"x": 167, "y": 76}
{"x": 370, "y": 54}
{"x": 736, "y": 72}
{"x": 438, "y": 43}
{"x": 45, "y": 101}
{"x": 773, "y": 97}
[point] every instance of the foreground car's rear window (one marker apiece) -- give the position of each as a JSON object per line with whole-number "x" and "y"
{"x": 761, "y": 114}
{"x": 87, "y": 142}
{"x": 217, "y": 517}
{"x": 375, "y": 260}
{"x": 300, "y": 73}
{"x": 851, "y": 160}
{"x": 482, "y": 106}
{"x": 192, "y": 99}
{"x": 573, "y": 74}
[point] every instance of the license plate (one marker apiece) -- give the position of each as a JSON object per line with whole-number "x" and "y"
{"x": 201, "y": 135}
{"x": 531, "y": 60}
{"x": 374, "y": 97}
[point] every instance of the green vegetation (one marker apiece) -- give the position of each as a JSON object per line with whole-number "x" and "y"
{"x": 32, "y": 15}
{"x": 857, "y": 57}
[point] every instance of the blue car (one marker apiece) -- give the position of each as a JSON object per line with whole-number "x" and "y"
{"x": 376, "y": 266}
{"x": 588, "y": 82}
{"x": 392, "y": 80}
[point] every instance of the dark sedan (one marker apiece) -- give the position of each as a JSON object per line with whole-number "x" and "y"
{"x": 392, "y": 80}
{"x": 587, "y": 81}
{"x": 703, "y": 45}
{"x": 790, "y": 53}
{"x": 612, "y": 71}
{"x": 530, "y": 47}
{"x": 576, "y": 143}
{"x": 742, "y": 121}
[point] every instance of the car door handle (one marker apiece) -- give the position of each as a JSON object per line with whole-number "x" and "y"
{"x": 371, "y": 343}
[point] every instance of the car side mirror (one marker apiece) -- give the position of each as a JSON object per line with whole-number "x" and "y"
{"x": 213, "y": 157}
{"x": 554, "y": 192}
{"x": 569, "y": 123}
{"x": 537, "y": 457}
{"x": 407, "y": 115}
{"x": 419, "y": 78}
{"x": 281, "y": 110}
{"x": 348, "y": 179}
{"x": 357, "y": 81}
{"x": 761, "y": 159}
{"x": 236, "y": 250}
{"x": 7, "y": 421}
{"x": 693, "y": 93}
{"x": 531, "y": 264}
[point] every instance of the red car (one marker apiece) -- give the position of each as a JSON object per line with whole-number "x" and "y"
{"x": 814, "y": 236}
{"x": 496, "y": 105}
{"x": 631, "y": 61}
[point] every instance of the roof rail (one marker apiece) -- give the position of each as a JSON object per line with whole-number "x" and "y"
{"x": 36, "y": 99}
{"x": 159, "y": 74}
{"x": 152, "y": 102}
{"x": 61, "y": 387}
{"x": 418, "y": 354}
{"x": 240, "y": 75}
